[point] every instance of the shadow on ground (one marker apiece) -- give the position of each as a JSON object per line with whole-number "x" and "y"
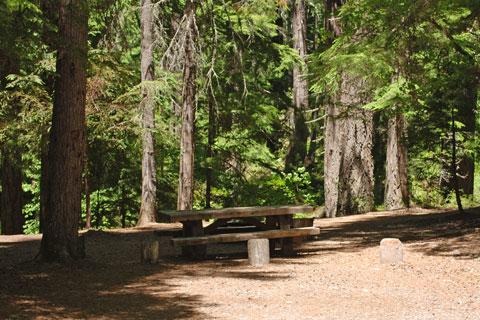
{"x": 110, "y": 284}
{"x": 437, "y": 233}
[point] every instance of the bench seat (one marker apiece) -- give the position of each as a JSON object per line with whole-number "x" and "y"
{"x": 243, "y": 236}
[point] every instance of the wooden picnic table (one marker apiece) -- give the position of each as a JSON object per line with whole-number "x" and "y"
{"x": 277, "y": 224}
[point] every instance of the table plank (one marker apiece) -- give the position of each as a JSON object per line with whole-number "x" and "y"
{"x": 242, "y": 236}
{"x": 235, "y": 212}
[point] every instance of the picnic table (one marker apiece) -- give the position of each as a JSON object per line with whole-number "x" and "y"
{"x": 277, "y": 223}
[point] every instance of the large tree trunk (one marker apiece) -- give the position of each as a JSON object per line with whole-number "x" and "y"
{"x": 397, "y": 193}
{"x": 348, "y": 141}
{"x": 12, "y": 193}
{"x": 11, "y": 197}
{"x": 297, "y": 149}
{"x": 348, "y": 152}
{"x": 149, "y": 181}
{"x": 67, "y": 137}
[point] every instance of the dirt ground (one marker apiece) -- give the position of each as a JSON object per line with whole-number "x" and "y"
{"x": 338, "y": 275}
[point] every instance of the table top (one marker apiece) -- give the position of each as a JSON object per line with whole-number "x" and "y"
{"x": 235, "y": 212}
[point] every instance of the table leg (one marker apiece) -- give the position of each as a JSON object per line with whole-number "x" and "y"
{"x": 284, "y": 222}
{"x": 271, "y": 223}
{"x": 191, "y": 229}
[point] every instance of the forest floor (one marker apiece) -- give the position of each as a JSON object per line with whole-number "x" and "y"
{"x": 338, "y": 275}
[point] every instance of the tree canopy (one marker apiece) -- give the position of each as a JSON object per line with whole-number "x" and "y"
{"x": 414, "y": 59}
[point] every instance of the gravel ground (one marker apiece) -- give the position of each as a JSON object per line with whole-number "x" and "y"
{"x": 337, "y": 275}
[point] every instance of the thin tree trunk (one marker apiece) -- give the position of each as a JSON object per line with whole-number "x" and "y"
{"x": 12, "y": 193}
{"x": 187, "y": 144}
{"x": 67, "y": 136}
{"x": 88, "y": 209}
{"x": 43, "y": 179}
{"x": 468, "y": 116}
{"x": 297, "y": 149}
{"x": 211, "y": 139}
{"x": 176, "y": 110}
{"x": 454, "y": 165}
{"x": 397, "y": 193}
{"x": 310, "y": 159}
{"x": 149, "y": 181}
{"x": 98, "y": 211}
{"x": 123, "y": 206}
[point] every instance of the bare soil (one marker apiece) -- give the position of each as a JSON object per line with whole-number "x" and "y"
{"x": 338, "y": 275}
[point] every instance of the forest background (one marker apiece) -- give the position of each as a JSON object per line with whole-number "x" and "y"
{"x": 351, "y": 105}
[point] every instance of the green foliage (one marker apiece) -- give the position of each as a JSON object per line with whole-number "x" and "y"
{"x": 271, "y": 188}
{"x": 419, "y": 58}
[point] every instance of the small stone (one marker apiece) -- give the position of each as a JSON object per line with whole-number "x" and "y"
{"x": 391, "y": 251}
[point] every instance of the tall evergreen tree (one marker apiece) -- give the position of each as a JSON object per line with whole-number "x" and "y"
{"x": 187, "y": 144}
{"x": 348, "y": 140}
{"x": 11, "y": 201}
{"x": 297, "y": 149}
{"x": 149, "y": 181}
{"x": 67, "y": 137}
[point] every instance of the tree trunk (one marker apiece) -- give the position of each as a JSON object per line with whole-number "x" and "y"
{"x": 12, "y": 193}
{"x": 187, "y": 145}
{"x": 310, "y": 160}
{"x": 348, "y": 152}
{"x": 123, "y": 206}
{"x": 11, "y": 197}
{"x": 88, "y": 209}
{"x": 468, "y": 116}
{"x": 454, "y": 165}
{"x": 211, "y": 139}
{"x": 176, "y": 68}
{"x": 67, "y": 136}
{"x": 43, "y": 179}
{"x": 297, "y": 149}
{"x": 149, "y": 181}
{"x": 397, "y": 193}
{"x": 348, "y": 141}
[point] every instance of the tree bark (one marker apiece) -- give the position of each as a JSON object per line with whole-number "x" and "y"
{"x": 149, "y": 181}
{"x": 348, "y": 152}
{"x": 397, "y": 193}
{"x": 348, "y": 138}
{"x": 67, "y": 135}
{"x": 11, "y": 197}
{"x": 454, "y": 165}
{"x": 187, "y": 145}
{"x": 297, "y": 149}
{"x": 12, "y": 193}
{"x": 88, "y": 209}
{"x": 43, "y": 179}
{"x": 211, "y": 139}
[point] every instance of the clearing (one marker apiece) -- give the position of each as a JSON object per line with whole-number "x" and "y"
{"x": 336, "y": 276}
